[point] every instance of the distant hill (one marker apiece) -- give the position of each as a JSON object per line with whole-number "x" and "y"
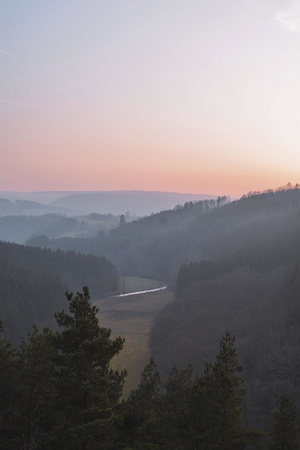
{"x": 249, "y": 229}
{"x": 17, "y": 207}
{"x": 21, "y": 228}
{"x": 152, "y": 247}
{"x": 43, "y": 197}
{"x": 235, "y": 266}
{"x": 140, "y": 203}
{"x": 242, "y": 275}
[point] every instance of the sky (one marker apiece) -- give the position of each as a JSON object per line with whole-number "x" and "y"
{"x": 191, "y": 96}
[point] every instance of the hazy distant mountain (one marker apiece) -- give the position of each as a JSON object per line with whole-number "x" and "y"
{"x": 156, "y": 246}
{"x": 21, "y": 228}
{"x": 43, "y": 197}
{"x": 17, "y": 207}
{"x": 140, "y": 203}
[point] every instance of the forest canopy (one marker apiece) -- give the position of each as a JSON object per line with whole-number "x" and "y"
{"x": 58, "y": 390}
{"x": 32, "y": 282}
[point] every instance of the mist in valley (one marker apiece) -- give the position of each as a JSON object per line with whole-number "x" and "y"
{"x": 231, "y": 265}
{"x": 149, "y": 246}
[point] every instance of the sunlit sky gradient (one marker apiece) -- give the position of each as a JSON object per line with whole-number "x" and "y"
{"x": 193, "y": 96}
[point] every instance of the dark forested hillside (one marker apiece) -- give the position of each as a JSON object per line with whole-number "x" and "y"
{"x": 247, "y": 231}
{"x": 236, "y": 266}
{"x": 152, "y": 247}
{"x": 28, "y": 297}
{"x": 138, "y": 203}
{"x": 252, "y": 287}
{"x": 58, "y": 390}
{"x": 32, "y": 282}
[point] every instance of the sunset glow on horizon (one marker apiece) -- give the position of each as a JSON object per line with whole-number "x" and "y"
{"x": 190, "y": 97}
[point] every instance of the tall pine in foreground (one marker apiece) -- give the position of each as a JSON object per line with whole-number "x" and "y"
{"x": 35, "y": 393}
{"x": 176, "y": 411}
{"x": 285, "y": 426}
{"x": 187, "y": 413}
{"x": 140, "y": 411}
{"x": 9, "y": 382}
{"x": 84, "y": 418}
{"x": 227, "y": 382}
{"x": 220, "y": 388}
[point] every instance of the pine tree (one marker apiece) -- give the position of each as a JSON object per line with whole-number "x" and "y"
{"x": 85, "y": 417}
{"x": 285, "y": 429}
{"x": 35, "y": 393}
{"x": 142, "y": 408}
{"x": 204, "y": 412}
{"x": 222, "y": 382}
{"x": 175, "y": 415}
{"x": 227, "y": 400}
{"x": 9, "y": 382}
{"x": 228, "y": 380}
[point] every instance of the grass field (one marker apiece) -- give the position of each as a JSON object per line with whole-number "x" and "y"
{"x": 131, "y": 318}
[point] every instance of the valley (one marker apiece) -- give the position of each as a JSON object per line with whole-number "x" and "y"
{"x": 131, "y": 317}
{"x": 171, "y": 285}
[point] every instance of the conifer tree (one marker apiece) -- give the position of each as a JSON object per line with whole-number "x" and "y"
{"x": 204, "y": 412}
{"x": 35, "y": 394}
{"x": 176, "y": 413}
{"x": 141, "y": 408}
{"x": 222, "y": 383}
{"x": 227, "y": 395}
{"x": 9, "y": 383}
{"x": 228, "y": 380}
{"x": 85, "y": 416}
{"x": 285, "y": 426}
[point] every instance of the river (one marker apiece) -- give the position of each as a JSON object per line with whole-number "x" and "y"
{"x": 140, "y": 292}
{"x": 146, "y": 291}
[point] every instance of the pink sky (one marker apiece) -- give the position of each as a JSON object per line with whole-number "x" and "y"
{"x": 191, "y": 97}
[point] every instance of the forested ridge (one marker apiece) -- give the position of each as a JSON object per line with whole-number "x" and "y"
{"x": 20, "y": 229}
{"x": 234, "y": 266}
{"x": 258, "y": 229}
{"x": 32, "y": 282}
{"x": 57, "y": 390}
{"x": 152, "y": 247}
{"x": 252, "y": 288}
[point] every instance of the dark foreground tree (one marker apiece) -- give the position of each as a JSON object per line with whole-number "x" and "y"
{"x": 285, "y": 426}
{"x": 227, "y": 381}
{"x": 9, "y": 383}
{"x": 203, "y": 413}
{"x": 86, "y": 388}
{"x": 222, "y": 381}
{"x": 175, "y": 413}
{"x": 215, "y": 403}
{"x": 35, "y": 393}
{"x": 140, "y": 411}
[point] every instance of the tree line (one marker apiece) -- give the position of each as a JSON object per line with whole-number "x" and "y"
{"x": 57, "y": 390}
{"x": 260, "y": 230}
{"x": 261, "y": 306}
{"x": 32, "y": 282}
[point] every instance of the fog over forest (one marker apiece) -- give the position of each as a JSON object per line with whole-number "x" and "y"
{"x": 149, "y": 246}
{"x": 230, "y": 265}
{"x": 137, "y": 203}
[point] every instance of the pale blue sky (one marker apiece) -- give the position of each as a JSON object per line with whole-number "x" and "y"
{"x": 190, "y": 96}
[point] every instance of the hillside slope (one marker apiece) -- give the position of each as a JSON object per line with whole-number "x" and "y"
{"x": 138, "y": 203}
{"x": 33, "y": 282}
{"x": 251, "y": 286}
{"x": 246, "y": 230}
